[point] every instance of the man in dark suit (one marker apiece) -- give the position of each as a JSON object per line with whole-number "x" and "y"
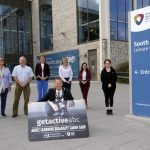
{"x": 59, "y": 95}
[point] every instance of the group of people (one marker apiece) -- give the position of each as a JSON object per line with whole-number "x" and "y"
{"x": 23, "y": 74}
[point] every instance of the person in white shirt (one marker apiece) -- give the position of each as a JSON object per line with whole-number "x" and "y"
{"x": 66, "y": 74}
{"x": 22, "y": 74}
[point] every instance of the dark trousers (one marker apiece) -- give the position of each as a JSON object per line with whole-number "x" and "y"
{"x": 84, "y": 90}
{"x": 109, "y": 94}
{"x": 26, "y": 94}
{"x": 66, "y": 85}
{"x": 3, "y": 100}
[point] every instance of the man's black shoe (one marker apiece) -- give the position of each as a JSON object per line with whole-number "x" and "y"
{"x": 14, "y": 115}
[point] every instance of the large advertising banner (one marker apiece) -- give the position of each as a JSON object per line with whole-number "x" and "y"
{"x": 140, "y": 61}
{"x": 54, "y": 61}
{"x": 57, "y": 120}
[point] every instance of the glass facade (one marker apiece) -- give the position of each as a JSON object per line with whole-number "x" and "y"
{"x": 88, "y": 20}
{"x": 15, "y": 30}
{"x": 46, "y": 27}
{"x": 119, "y": 19}
{"x": 143, "y": 3}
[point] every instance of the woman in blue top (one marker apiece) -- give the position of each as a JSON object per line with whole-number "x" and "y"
{"x": 5, "y": 84}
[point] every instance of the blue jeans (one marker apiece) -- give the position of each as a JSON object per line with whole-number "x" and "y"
{"x": 42, "y": 86}
{"x": 3, "y": 100}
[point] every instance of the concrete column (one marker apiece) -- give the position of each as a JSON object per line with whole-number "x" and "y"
{"x": 104, "y": 26}
{"x": 134, "y": 4}
{"x": 35, "y": 30}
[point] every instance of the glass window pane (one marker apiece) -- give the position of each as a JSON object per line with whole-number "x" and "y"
{"x": 5, "y": 7}
{"x": 128, "y": 8}
{"x": 49, "y": 24}
{"x": 146, "y": 3}
{"x": 42, "y": 2}
{"x": 28, "y": 26}
{"x": 82, "y": 12}
{"x": 27, "y": 9}
{"x": 1, "y": 27}
{"x": 48, "y": 7}
{"x": 46, "y": 43}
{"x": 83, "y": 34}
{"x": 14, "y": 3}
{"x": 46, "y": 31}
{"x": 21, "y": 23}
{"x": 6, "y": 21}
{"x": 93, "y": 31}
{"x": 121, "y": 10}
{"x": 7, "y": 45}
{"x": 13, "y": 23}
{"x": 139, "y": 4}
{"x": 21, "y": 4}
{"x": 43, "y": 25}
{"x": 113, "y": 10}
{"x": 14, "y": 7}
{"x": 28, "y": 43}
{"x": 113, "y": 30}
{"x": 121, "y": 31}
{"x": 0, "y": 9}
{"x": 126, "y": 32}
{"x": 1, "y": 46}
{"x": 14, "y": 41}
{"x": 42, "y": 9}
{"x": 93, "y": 10}
{"x": 22, "y": 43}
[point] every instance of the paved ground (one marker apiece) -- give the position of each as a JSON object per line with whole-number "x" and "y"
{"x": 115, "y": 132}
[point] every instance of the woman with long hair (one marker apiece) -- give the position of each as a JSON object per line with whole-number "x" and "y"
{"x": 84, "y": 78}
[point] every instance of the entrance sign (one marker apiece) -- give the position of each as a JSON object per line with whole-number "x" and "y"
{"x": 57, "y": 120}
{"x": 140, "y": 61}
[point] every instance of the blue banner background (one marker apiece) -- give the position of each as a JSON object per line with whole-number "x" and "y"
{"x": 54, "y": 61}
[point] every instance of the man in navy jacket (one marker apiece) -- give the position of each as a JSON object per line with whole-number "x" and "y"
{"x": 61, "y": 97}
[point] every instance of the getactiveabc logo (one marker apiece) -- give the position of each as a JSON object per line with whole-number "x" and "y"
{"x": 138, "y": 19}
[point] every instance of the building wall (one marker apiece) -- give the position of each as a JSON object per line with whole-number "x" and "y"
{"x": 84, "y": 48}
{"x": 64, "y": 24}
{"x": 65, "y": 30}
{"x": 119, "y": 52}
{"x": 65, "y": 35}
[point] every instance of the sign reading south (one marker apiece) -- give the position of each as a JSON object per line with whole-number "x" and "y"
{"x": 140, "y": 61}
{"x": 57, "y": 120}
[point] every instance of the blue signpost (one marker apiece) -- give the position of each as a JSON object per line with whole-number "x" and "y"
{"x": 54, "y": 61}
{"x": 140, "y": 61}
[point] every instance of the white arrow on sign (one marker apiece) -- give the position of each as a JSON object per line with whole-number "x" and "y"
{"x": 136, "y": 72}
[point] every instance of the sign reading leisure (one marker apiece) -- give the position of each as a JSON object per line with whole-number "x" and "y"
{"x": 140, "y": 61}
{"x": 57, "y": 120}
